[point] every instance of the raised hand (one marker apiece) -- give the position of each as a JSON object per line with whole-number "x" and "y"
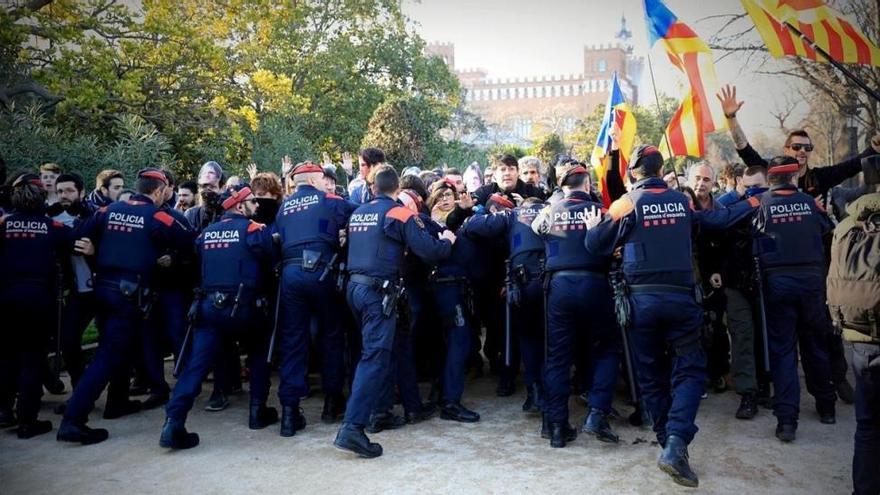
{"x": 252, "y": 170}
{"x": 325, "y": 158}
{"x": 347, "y": 163}
{"x": 727, "y": 97}
{"x": 592, "y": 217}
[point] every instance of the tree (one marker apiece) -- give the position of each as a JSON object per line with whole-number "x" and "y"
{"x": 548, "y": 148}
{"x": 405, "y": 128}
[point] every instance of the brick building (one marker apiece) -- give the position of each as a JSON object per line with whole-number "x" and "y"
{"x": 525, "y": 106}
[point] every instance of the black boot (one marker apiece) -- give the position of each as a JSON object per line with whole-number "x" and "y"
{"x": 748, "y": 406}
{"x": 154, "y": 401}
{"x": 80, "y": 433}
{"x": 117, "y": 411}
{"x": 674, "y": 462}
{"x": 54, "y": 385}
{"x": 596, "y": 424}
{"x": 262, "y": 416}
{"x": 827, "y": 415}
{"x": 786, "y": 432}
{"x": 33, "y": 428}
{"x": 561, "y": 433}
{"x": 385, "y": 421}
{"x": 217, "y": 402}
{"x": 533, "y": 399}
{"x": 292, "y": 420}
{"x": 353, "y": 439}
{"x": 334, "y": 409}
{"x": 506, "y": 386}
{"x": 7, "y": 418}
{"x": 175, "y": 436}
{"x": 454, "y": 411}
{"x": 427, "y": 411}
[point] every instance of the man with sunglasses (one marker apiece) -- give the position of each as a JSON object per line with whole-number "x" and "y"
{"x": 815, "y": 181}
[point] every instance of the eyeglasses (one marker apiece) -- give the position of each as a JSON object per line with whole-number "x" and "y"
{"x": 253, "y": 201}
{"x": 447, "y": 194}
{"x": 799, "y": 146}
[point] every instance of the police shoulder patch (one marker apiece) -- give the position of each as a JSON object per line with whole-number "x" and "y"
{"x": 255, "y": 226}
{"x": 621, "y": 208}
{"x": 164, "y": 218}
{"x": 400, "y": 213}
{"x": 419, "y": 222}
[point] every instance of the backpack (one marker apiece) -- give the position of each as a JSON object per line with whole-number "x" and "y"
{"x": 854, "y": 274}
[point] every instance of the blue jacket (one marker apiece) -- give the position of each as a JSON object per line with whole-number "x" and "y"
{"x": 311, "y": 219}
{"x": 655, "y": 227}
{"x": 380, "y": 231}
{"x": 235, "y": 250}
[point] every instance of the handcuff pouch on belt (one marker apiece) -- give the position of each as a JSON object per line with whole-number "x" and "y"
{"x": 310, "y": 260}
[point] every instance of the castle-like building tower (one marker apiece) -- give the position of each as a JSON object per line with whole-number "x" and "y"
{"x": 549, "y": 103}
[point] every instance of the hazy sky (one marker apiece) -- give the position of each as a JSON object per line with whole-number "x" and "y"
{"x": 517, "y": 38}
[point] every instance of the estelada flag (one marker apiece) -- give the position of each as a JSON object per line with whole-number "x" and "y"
{"x": 826, "y": 27}
{"x": 699, "y": 113}
{"x": 617, "y": 113}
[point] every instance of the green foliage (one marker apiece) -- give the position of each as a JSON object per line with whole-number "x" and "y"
{"x": 234, "y": 81}
{"x": 548, "y": 148}
{"x": 507, "y": 149}
{"x": 406, "y": 128}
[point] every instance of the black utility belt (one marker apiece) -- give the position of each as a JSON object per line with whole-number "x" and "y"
{"x": 221, "y": 299}
{"x": 578, "y": 273}
{"x": 309, "y": 260}
{"x": 374, "y": 282}
{"x": 126, "y": 287}
{"x": 659, "y": 289}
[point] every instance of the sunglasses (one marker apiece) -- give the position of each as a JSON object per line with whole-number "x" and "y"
{"x": 253, "y": 201}
{"x": 798, "y": 147}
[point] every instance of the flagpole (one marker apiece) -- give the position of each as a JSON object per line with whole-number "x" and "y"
{"x": 846, "y": 72}
{"x": 657, "y": 100}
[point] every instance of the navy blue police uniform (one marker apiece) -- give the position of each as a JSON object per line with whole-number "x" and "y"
{"x": 309, "y": 222}
{"x": 232, "y": 305}
{"x": 526, "y": 262}
{"x": 578, "y": 300}
{"x": 654, "y": 227}
{"x": 129, "y": 237}
{"x": 793, "y": 267}
{"x": 167, "y": 320}
{"x": 379, "y": 232}
{"x": 450, "y": 288}
{"x": 30, "y": 245}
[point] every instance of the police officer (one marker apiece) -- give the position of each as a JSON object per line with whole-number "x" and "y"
{"x": 789, "y": 227}
{"x": 309, "y": 222}
{"x": 379, "y": 232}
{"x": 654, "y": 226}
{"x": 526, "y": 262}
{"x": 130, "y": 237}
{"x": 174, "y": 278}
{"x": 31, "y": 245}
{"x": 234, "y": 254}
{"x": 577, "y": 287}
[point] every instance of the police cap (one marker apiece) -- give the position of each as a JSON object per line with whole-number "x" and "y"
{"x": 647, "y": 157}
{"x": 234, "y": 195}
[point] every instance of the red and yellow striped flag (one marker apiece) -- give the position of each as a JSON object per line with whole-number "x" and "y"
{"x": 819, "y": 22}
{"x": 699, "y": 112}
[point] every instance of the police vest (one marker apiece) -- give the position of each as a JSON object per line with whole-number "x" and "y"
{"x": 126, "y": 246}
{"x": 27, "y": 252}
{"x": 306, "y": 220}
{"x": 370, "y": 251}
{"x": 526, "y": 247}
{"x": 227, "y": 259}
{"x": 564, "y": 243}
{"x": 660, "y": 241}
{"x": 793, "y": 223}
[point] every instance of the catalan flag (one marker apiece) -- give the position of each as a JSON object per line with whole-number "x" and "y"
{"x": 699, "y": 113}
{"x": 617, "y": 113}
{"x": 817, "y": 21}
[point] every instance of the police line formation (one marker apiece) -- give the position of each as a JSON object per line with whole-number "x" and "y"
{"x": 637, "y": 292}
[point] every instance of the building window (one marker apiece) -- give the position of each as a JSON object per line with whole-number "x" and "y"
{"x": 601, "y": 65}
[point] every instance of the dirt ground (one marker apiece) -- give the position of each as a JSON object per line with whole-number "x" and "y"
{"x": 503, "y": 453}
